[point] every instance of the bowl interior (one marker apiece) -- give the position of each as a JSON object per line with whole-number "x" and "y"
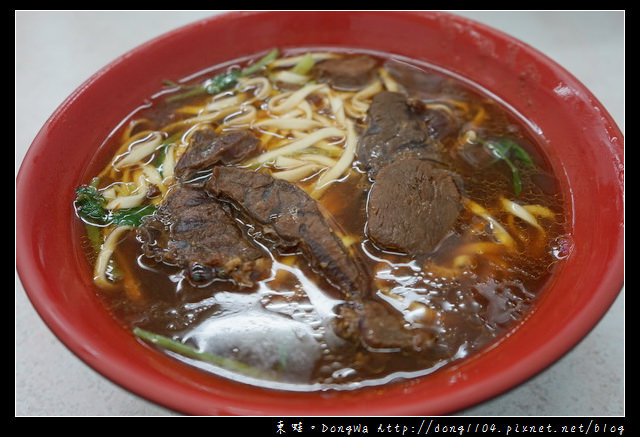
{"x": 578, "y": 135}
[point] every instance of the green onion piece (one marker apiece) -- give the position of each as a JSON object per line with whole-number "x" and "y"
{"x": 171, "y": 83}
{"x": 222, "y": 82}
{"x": 516, "y": 179}
{"x": 161, "y": 152}
{"x": 507, "y": 147}
{"x": 95, "y": 237}
{"x": 305, "y": 64}
{"x": 191, "y": 352}
{"x": 190, "y": 93}
{"x": 504, "y": 148}
{"x": 262, "y": 62}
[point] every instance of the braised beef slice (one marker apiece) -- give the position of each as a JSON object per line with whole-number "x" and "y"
{"x": 414, "y": 80}
{"x": 208, "y": 148}
{"x": 439, "y": 123}
{"x": 423, "y": 87}
{"x": 196, "y": 232}
{"x": 379, "y": 327}
{"x": 348, "y": 73}
{"x": 291, "y": 219}
{"x": 412, "y": 205}
{"x": 394, "y": 131}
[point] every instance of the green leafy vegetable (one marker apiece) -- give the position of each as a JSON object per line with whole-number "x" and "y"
{"x": 191, "y": 352}
{"x": 222, "y": 82}
{"x": 130, "y": 216}
{"x": 505, "y": 149}
{"x": 94, "y": 236}
{"x": 90, "y": 203}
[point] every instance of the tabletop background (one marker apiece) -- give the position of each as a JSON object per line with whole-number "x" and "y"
{"x": 56, "y": 51}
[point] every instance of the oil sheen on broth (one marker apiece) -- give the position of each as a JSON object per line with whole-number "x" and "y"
{"x": 317, "y": 219}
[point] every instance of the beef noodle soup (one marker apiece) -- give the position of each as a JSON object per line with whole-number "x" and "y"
{"x": 321, "y": 219}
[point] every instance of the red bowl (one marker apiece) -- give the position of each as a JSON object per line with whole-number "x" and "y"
{"x": 580, "y": 138}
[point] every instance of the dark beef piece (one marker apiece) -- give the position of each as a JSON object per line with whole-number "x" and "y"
{"x": 414, "y": 80}
{"x": 394, "y": 131}
{"x": 162, "y": 115}
{"x": 208, "y": 148}
{"x": 196, "y": 232}
{"x": 379, "y": 327}
{"x": 423, "y": 87}
{"x": 348, "y": 73}
{"x": 412, "y": 205}
{"x": 291, "y": 218}
{"x": 439, "y": 124}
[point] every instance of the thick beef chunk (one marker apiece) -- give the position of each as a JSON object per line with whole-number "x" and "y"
{"x": 290, "y": 218}
{"x": 423, "y": 87}
{"x": 412, "y": 206}
{"x": 414, "y": 80}
{"x": 379, "y": 327}
{"x": 394, "y": 131}
{"x": 439, "y": 123}
{"x": 348, "y": 73}
{"x": 208, "y": 148}
{"x": 197, "y": 233}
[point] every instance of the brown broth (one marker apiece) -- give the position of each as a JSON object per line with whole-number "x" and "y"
{"x": 283, "y": 323}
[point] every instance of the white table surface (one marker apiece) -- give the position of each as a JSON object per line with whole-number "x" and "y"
{"x": 57, "y": 51}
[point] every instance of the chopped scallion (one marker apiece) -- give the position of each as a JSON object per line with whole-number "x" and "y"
{"x": 304, "y": 65}
{"x": 261, "y": 63}
{"x": 504, "y": 148}
{"x": 191, "y": 352}
{"x": 222, "y": 82}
